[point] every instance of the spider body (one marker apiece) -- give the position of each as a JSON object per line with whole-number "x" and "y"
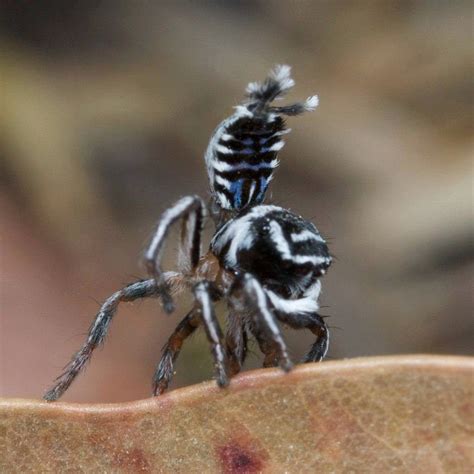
{"x": 242, "y": 152}
{"x": 282, "y": 250}
{"x": 264, "y": 261}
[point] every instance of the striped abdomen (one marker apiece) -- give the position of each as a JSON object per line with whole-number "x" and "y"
{"x": 242, "y": 156}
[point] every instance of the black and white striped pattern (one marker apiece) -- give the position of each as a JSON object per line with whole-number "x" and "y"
{"x": 242, "y": 153}
{"x": 283, "y": 251}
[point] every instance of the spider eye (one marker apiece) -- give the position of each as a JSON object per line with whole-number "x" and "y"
{"x": 303, "y": 270}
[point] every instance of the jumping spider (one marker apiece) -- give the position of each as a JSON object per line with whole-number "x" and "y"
{"x": 263, "y": 260}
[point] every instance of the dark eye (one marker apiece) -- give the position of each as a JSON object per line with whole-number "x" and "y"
{"x": 302, "y": 270}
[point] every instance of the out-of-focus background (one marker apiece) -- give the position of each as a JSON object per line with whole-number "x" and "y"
{"x": 106, "y": 112}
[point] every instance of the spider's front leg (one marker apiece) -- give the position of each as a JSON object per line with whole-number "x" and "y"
{"x": 191, "y": 209}
{"x": 100, "y": 326}
{"x": 301, "y": 313}
{"x": 320, "y": 347}
{"x": 265, "y": 326}
{"x": 316, "y": 324}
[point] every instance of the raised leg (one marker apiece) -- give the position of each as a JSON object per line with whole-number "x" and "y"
{"x": 316, "y": 324}
{"x": 236, "y": 342}
{"x": 297, "y": 108}
{"x": 100, "y": 327}
{"x": 191, "y": 208}
{"x": 203, "y": 294}
{"x": 265, "y": 324}
{"x": 171, "y": 350}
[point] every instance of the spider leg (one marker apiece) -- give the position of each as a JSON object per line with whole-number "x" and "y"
{"x": 191, "y": 208}
{"x": 171, "y": 350}
{"x": 320, "y": 347}
{"x": 236, "y": 342}
{"x": 100, "y": 327}
{"x": 265, "y": 325}
{"x": 268, "y": 347}
{"x": 202, "y": 293}
{"x": 297, "y": 108}
{"x": 316, "y": 324}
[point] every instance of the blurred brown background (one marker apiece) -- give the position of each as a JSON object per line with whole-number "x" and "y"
{"x": 106, "y": 112}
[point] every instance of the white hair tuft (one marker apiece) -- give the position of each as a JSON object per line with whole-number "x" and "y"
{"x": 311, "y": 103}
{"x": 281, "y": 74}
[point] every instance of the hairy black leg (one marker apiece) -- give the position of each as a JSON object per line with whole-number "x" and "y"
{"x": 203, "y": 294}
{"x": 98, "y": 331}
{"x": 297, "y": 108}
{"x": 171, "y": 350}
{"x": 316, "y": 324}
{"x": 236, "y": 342}
{"x": 191, "y": 208}
{"x": 265, "y": 324}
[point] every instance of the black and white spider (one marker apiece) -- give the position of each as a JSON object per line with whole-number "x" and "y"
{"x": 263, "y": 260}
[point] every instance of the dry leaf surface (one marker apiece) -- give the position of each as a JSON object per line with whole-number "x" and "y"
{"x": 385, "y": 414}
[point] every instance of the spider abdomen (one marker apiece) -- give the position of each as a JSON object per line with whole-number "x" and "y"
{"x": 283, "y": 250}
{"x": 242, "y": 153}
{"x": 242, "y": 156}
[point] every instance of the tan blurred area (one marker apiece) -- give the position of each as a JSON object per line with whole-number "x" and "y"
{"x": 106, "y": 112}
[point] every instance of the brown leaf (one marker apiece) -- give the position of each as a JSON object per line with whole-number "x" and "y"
{"x": 384, "y": 414}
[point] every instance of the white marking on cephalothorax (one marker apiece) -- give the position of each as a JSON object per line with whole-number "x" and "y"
{"x": 306, "y": 235}
{"x": 279, "y": 240}
{"x": 276, "y": 234}
{"x": 238, "y": 232}
{"x": 241, "y": 240}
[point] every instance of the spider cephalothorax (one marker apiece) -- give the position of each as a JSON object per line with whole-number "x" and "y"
{"x": 282, "y": 250}
{"x": 264, "y": 261}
